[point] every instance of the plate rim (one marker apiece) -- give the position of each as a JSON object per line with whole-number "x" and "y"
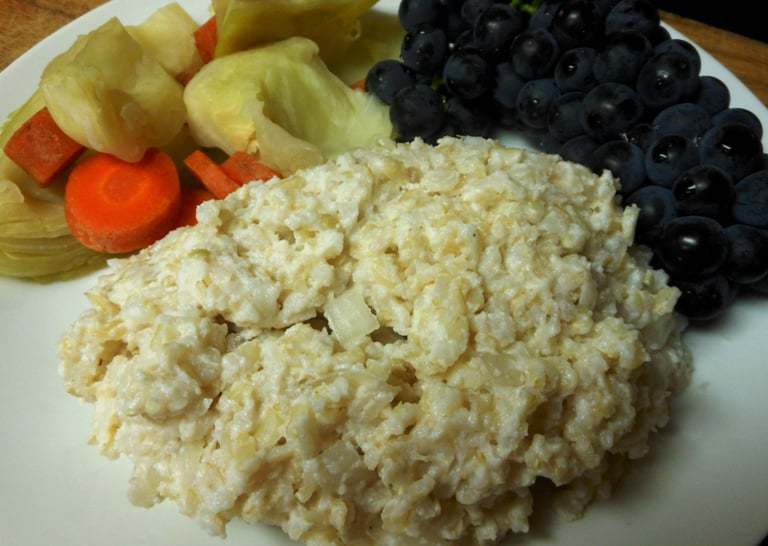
{"x": 111, "y": 8}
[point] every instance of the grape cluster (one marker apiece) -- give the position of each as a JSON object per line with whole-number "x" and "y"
{"x": 601, "y": 83}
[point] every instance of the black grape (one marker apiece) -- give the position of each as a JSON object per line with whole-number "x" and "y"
{"x": 640, "y": 135}
{"x": 577, "y": 23}
{"x": 472, "y": 9}
{"x": 387, "y": 78}
{"x": 545, "y": 14}
{"x": 739, "y": 116}
{"x": 497, "y": 27}
{"x": 669, "y": 157}
{"x": 534, "y": 101}
{"x": 637, "y": 15}
{"x": 686, "y": 119}
{"x": 734, "y": 148}
{"x": 624, "y": 55}
{"x": 657, "y": 208}
{"x": 417, "y": 111}
{"x": 564, "y": 119}
{"x": 609, "y": 110}
{"x": 418, "y": 15}
{"x": 624, "y": 160}
{"x": 579, "y": 149}
{"x": 468, "y": 118}
{"x": 467, "y": 75}
{"x": 574, "y": 70}
{"x": 693, "y": 247}
{"x": 534, "y": 53}
{"x": 713, "y": 95}
{"x": 751, "y": 204}
{"x": 683, "y": 48}
{"x": 425, "y": 51}
{"x": 748, "y": 257}
{"x": 704, "y": 191}
{"x": 667, "y": 79}
{"x": 506, "y": 90}
{"x": 705, "y": 299}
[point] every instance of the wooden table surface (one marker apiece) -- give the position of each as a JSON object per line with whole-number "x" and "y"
{"x": 25, "y": 22}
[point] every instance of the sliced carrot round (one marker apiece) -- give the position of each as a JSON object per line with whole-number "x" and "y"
{"x": 114, "y": 206}
{"x": 190, "y": 199}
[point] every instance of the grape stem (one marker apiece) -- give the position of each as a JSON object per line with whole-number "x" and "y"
{"x": 528, "y": 6}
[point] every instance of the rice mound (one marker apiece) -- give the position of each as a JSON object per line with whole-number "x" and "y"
{"x": 387, "y": 349}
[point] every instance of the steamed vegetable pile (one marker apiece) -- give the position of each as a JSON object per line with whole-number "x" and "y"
{"x": 107, "y": 156}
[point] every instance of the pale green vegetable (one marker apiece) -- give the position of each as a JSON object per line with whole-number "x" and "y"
{"x": 282, "y": 103}
{"x": 168, "y": 35}
{"x": 219, "y": 6}
{"x": 109, "y": 94}
{"x": 34, "y": 237}
{"x": 49, "y": 266}
{"x": 24, "y": 217}
{"x": 380, "y": 38}
{"x": 333, "y": 24}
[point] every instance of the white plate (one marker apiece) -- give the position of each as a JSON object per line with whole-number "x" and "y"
{"x": 705, "y": 483}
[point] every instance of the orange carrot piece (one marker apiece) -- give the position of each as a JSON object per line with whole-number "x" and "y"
{"x": 210, "y": 174}
{"x": 206, "y": 38}
{"x": 360, "y": 86}
{"x": 242, "y": 167}
{"x": 114, "y": 206}
{"x": 41, "y": 148}
{"x": 190, "y": 199}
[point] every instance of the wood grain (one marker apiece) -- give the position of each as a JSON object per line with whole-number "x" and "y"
{"x": 25, "y": 22}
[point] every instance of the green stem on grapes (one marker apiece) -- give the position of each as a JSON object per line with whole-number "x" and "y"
{"x": 528, "y": 6}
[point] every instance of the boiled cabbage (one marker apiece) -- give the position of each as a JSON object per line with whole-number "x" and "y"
{"x": 333, "y": 24}
{"x": 34, "y": 237}
{"x": 109, "y": 94}
{"x": 380, "y": 38}
{"x": 282, "y": 103}
{"x": 47, "y": 266}
{"x": 168, "y": 35}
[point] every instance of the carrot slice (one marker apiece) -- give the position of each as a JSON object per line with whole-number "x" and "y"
{"x": 41, "y": 148}
{"x": 360, "y": 85}
{"x": 242, "y": 167}
{"x": 210, "y": 174}
{"x": 114, "y": 206}
{"x": 190, "y": 199}
{"x": 206, "y": 38}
